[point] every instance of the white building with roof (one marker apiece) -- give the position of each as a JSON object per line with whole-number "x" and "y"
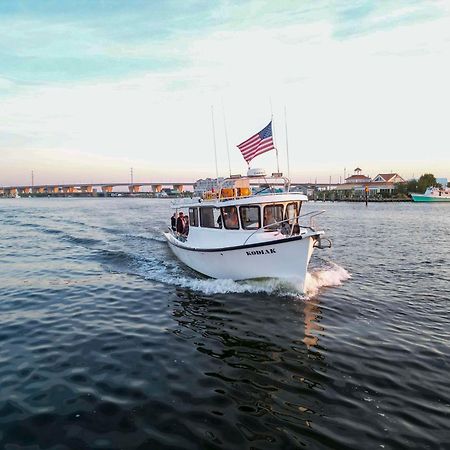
{"x": 206, "y": 185}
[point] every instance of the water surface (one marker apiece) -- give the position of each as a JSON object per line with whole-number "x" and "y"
{"x": 108, "y": 342}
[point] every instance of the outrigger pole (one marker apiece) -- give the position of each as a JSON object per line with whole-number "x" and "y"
{"x": 274, "y": 144}
{"x": 287, "y": 142}
{"x": 273, "y": 135}
{"x": 214, "y": 139}
{"x": 226, "y": 137}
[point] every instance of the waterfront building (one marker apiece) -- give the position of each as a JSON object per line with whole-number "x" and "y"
{"x": 383, "y": 184}
{"x": 206, "y": 185}
{"x": 388, "y": 178}
{"x": 358, "y": 177}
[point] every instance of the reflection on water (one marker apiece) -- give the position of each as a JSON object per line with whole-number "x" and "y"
{"x": 312, "y": 316}
{"x": 269, "y": 371}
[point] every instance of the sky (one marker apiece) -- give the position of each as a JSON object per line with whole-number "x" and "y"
{"x": 89, "y": 89}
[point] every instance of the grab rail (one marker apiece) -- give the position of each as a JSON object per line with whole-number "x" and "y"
{"x": 311, "y": 215}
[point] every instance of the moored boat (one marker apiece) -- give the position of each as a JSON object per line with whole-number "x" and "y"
{"x": 433, "y": 194}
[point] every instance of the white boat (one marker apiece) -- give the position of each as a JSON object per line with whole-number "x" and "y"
{"x": 236, "y": 234}
{"x": 433, "y": 194}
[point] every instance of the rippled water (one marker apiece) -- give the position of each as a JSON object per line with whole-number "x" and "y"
{"x": 107, "y": 342}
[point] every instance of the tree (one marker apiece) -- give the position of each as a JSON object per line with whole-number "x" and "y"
{"x": 426, "y": 180}
{"x": 402, "y": 188}
{"x": 412, "y": 186}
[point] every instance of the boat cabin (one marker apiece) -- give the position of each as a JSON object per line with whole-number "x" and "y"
{"x": 244, "y": 216}
{"x": 232, "y": 222}
{"x": 241, "y": 207}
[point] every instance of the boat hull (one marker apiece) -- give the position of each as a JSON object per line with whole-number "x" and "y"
{"x": 425, "y": 198}
{"x": 283, "y": 258}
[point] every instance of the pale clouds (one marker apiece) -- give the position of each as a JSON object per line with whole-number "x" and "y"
{"x": 378, "y": 99}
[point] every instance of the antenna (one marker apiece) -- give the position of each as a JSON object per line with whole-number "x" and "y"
{"x": 214, "y": 139}
{"x": 273, "y": 134}
{"x": 131, "y": 175}
{"x": 287, "y": 142}
{"x": 226, "y": 137}
{"x": 32, "y": 178}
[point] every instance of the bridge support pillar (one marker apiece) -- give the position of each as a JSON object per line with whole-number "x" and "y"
{"x": 107, "y": 189}
{"x": 87, "y": 189}
{"x": 69, "y": 189}
{"x": 178, "y": 187}
{"x": 133, "y": 188}
{"x": 156, "y": 187}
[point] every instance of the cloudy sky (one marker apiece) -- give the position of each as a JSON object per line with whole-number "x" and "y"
{"x": 90, "y": 88}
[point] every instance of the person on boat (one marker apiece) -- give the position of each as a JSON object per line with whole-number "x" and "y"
{"x": 173, "y": 222}
{"x": 268, "y": 217}
{"x": 186, "y": 225}
{"x": 231, "y": 219}
{"x": 180, "y": 223}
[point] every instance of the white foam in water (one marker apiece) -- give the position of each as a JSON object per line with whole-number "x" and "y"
{"x": 333, "y": 275}
{"x": 166, "y": 272}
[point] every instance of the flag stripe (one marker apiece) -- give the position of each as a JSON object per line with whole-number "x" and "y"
{"x": 258, "y": 143}
{"x": 257, "y": 152}
{"x": 250, "y": 144}
{"x": 259, "y": 149}
{"x": 249, "y": 139}
{"x": 262, "y": 144}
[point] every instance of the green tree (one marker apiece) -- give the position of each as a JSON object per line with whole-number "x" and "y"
{"x": 401, "y": 188}
{"x": 426, "y": 180}
{"x": 412, "y": 186}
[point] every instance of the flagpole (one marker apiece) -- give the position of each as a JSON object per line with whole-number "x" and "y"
{"x": 214, "y": 139}
{"x": 287, "y": 143}
{"x": 226, "y": 138}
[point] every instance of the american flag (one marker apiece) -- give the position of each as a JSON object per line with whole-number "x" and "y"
{"x": 259, "y": 143}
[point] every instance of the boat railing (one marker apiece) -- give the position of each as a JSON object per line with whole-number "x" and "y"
{"x": 178, "y": 236}
{"x": 290, "y": 229}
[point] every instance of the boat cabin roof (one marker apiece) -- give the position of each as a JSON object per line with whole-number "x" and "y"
{"x": 259, "y": 199}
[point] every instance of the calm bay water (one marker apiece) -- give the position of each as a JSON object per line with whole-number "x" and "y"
{"x": 108, "y": 342}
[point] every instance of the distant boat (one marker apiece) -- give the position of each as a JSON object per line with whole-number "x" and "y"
{"x": 433, "y": 194}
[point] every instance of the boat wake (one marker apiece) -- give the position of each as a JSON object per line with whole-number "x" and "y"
{"x": 170, "y": 272}
{"x": 151, "y": 259}
{"x": 318, "y": 278}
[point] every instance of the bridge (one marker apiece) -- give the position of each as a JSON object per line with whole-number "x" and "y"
{"x": 89, "y": 188}
{"x": 107, "y": 188}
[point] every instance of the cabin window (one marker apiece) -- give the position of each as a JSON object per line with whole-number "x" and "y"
{"x": 291, "y": 213}
{"x": 193, "y": 217}
{"x": 272, "y": 215}
{"x": 230, "y": 218}
{"x": 250, "y": 217}
{"x": 210, "y": 217}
